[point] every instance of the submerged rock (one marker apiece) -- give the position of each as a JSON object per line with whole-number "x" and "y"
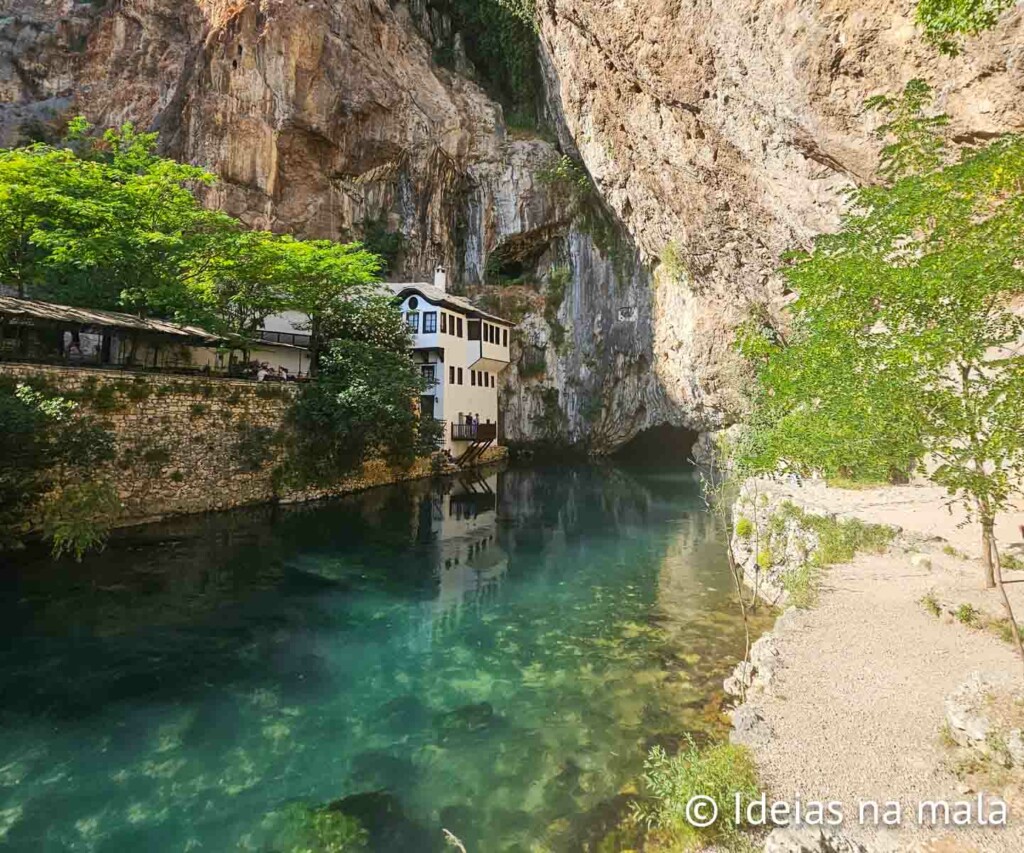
{"x": 381, "y": 769}
{"x": 465, "y": 720}
{"x": 382, "y": 815}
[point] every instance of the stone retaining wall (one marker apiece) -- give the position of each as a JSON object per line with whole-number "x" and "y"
{"x": 188, "y": 444}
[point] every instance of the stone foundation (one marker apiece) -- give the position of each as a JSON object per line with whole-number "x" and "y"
{"x": 187, "y": 444}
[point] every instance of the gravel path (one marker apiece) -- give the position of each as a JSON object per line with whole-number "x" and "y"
{"x": 856, "y": 711}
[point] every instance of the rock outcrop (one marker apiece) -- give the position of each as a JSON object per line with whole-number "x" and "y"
{"x": 717, "y": 133}
{"x": 723, "y": 131}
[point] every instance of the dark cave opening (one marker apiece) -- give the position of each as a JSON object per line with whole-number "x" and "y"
{"x": 660, "y": 446}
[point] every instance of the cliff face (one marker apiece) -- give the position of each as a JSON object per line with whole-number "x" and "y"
{"x": 717, "y": 132}
{"x": 723, "y": 131}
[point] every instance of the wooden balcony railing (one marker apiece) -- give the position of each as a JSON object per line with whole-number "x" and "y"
{"x": 474, "y": 432}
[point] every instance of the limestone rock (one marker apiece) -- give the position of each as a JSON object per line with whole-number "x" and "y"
{"x": 754, "y": 675}
{"x": 965, "y": 715}
{"x": 983, "y": 714}
{"x": 724, "y": 132}
{"x": 749, "y": 727}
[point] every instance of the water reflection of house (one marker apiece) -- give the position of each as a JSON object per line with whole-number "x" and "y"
{"x": 462, "y": 525}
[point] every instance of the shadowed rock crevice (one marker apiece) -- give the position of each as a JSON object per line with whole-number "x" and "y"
{"x": 663, "y": 445}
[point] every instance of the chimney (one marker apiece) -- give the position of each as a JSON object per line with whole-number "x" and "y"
{"x": 441, "y": 278}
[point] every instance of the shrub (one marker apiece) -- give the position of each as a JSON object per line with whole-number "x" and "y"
{"x": 139, "y": 389}
{"x": 360, "y": 406}
{"x": 672, "y": 261}
{"x": 802, "y": 585}
{"x": 78, "y": 518}
{"x": 558, "y": 281}
{"x": 104, "y": 399}
{"x": 931, "y": 604}
{"x": 500, "y": 39}
{"x": 1009, "y": 561}
{"x": 765, "y": 559}
{"x": 947, "y": 22}
{"x": 719, "y": 771}
{"x": 44, "y": 445}
{"x": 156, "y": 455}
{"x": 532, "y": 364}
{"x": 744, "y": 527}
{"x": 967, "y": 614}
{"x": 838, "y": 540}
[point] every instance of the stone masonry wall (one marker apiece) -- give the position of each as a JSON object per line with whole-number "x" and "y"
{"x": 188, "y": 444}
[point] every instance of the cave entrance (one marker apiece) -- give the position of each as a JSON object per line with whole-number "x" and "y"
{"x": 662, "y": 446}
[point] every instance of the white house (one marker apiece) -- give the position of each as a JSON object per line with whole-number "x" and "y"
{"x": 459, "y": 348}
{"x": 284, "y": 342}
{"x": 463, "y": 351}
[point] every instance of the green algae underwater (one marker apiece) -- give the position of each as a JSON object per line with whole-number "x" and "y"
{"x": 492, "y": 655}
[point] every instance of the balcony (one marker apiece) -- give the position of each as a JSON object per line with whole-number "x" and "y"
{"x": 474, "y": 432}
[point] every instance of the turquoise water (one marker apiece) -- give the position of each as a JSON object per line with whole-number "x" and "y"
{"x": 490, "y": 655}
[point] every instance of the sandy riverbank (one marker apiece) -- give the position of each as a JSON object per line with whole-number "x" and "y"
{"x": 855, "y": 709}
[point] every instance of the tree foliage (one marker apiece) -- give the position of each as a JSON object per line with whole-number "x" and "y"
{"x": 904, "y": 348}
{"x": 50, "y": 456}
{"x": 362, "y": 406}
{"x": 946, "y": 22}
{"x": 106, "y": 223}
{"x": 913, "y": 141}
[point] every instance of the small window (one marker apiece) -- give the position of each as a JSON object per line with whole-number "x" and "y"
{"x": 428, "y": 373}
{"x": 451, "y": 375}
{"x": 429, "y": 322}
{"x": 414, "y": 303}
{"x": 460, "y": 376}
{"x": 504, "y": 337}
{"x": 493, "y": 380}
{"x": 444, "y": 323}
{"x": 413, "y": 319}
{"x": 472, "y": 377}
{"x": 458, "y": 325}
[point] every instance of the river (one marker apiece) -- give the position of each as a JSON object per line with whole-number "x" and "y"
{"x": 492, "y": 655}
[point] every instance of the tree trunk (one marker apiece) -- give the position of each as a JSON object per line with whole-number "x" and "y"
{"x": 987, "y": 549}
{"x": 1006, "y": 600}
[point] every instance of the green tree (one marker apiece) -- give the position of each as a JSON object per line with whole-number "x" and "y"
{"x": 321, "y": 279}
{"x": 37, "y": 185}
{"x": 106, "y": 223}
{"x": 371, "y": 318}
{"x": 362, "y": 405}
{"x": 903, "y": 348}
{"x": 244, "y": 281}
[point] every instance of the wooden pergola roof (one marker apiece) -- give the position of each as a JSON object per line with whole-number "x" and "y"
{"x": 29, "y": 310}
